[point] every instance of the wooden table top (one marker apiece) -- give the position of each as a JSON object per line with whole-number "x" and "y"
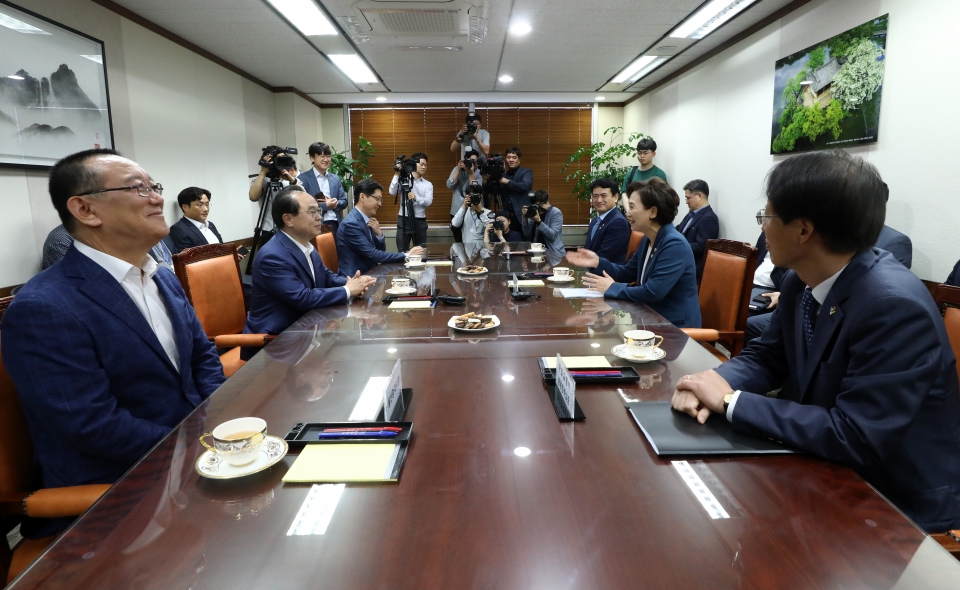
{"x": 591, "y": 506}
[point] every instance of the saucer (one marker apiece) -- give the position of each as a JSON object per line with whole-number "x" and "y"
{"x": 556, "y": 279}
{"x": 532, "y": 251}
{"x": 403, "y": 291}
{"x": 214, "y": 467}
{"x": 620, "y": 351}
{"x": 420, "y": 264}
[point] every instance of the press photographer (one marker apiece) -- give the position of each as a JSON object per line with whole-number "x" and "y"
{"x": 473, "y": 217}
{"x": 463, "y": 174}
{"x": 516, "y": 184}
{"x": 498, "y": 230}
{"x": 278, "y": 169}
{"x": 471, "y": 135}
{"x": 416, "y": 194}
{"x": 542, "y": 222}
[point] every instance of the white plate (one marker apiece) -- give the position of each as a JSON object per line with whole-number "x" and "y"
{"x": 557, "y": 279}
{"x": 532, "y": 251}
{"x": 213, "y": 466}
{"x": 420, "y": 264}
{"x": 496, "y": 322}
{"x": 404, "y": 291}
{"x": 472, "y": 274}
{"x": 620, "y": 351}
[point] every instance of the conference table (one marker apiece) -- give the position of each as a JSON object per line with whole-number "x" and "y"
{"x": 495, "y": 491}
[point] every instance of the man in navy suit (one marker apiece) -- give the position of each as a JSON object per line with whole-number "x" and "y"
{"x": 609, "y": 232}
{"x": 701, "y": 223}
{"x": 517, "y": 183}
{"x": 289, "y": 279}
{"x": 867, "y": 373}
{"x": 193, "y": 229}
{"x": 360, "y": 242}
{"x": 326, "y": 186}
{"x": 104, "y": 349}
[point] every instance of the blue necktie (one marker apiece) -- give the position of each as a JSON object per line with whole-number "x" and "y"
{"x": 593, "y": 231}
{"x": 808, "y": 306}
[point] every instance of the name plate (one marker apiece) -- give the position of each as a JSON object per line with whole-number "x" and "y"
{"x": 566, "y": 390}
{"x": 393, "y": 396}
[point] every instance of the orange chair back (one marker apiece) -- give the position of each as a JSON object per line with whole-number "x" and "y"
{"x": 326, "y": 246}
{"x": 210, "y": 276}
{"x": 726, "y": 287}
{"x": 635, "y": 238}
{"x": 947, "y": 298}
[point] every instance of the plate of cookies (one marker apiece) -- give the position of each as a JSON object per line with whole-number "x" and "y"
{"x": 473, "y": 322}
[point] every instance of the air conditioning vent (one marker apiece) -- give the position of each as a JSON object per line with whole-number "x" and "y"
{"x": 421, "y": 22}
{"x": 414, "y": 23}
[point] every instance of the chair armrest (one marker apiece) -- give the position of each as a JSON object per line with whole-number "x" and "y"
{"x": 701, "y": 334}
{"x": 52, "y": 502}
{"x": 730, "y": 335}
{"x": 232, "y": 340}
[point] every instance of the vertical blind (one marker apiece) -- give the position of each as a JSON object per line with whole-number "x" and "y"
{"x": 546, "y": 135}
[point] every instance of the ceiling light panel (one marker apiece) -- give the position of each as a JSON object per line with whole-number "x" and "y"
{"x": 709, "y": 18}
{"x": 637, "y": 65}
{"x": 305, "y": 15}
{"x": 354, "y": 67}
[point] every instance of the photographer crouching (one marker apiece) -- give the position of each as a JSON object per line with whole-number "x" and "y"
{"x": 466, "y": 172}
{"x": 473, "y": 217}
{"x": 278, "y": 169}
{"x": 542, "y": 222}
{"x": 415, "y": 195}
{"x": 499, "y": 232}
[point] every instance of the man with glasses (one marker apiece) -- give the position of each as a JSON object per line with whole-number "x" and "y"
{"x": 326, "y": 186}
{"x": 104, "y": 348}
{"x": 646, "y": 152}
{"x": 701, "y": 223}
{"x": 289, "y": 279}
{"x": 858, "y": 350}
{"x": 360, "y": 242}
{"x": 193, "y": 229}
{"x": 609, "y": 232}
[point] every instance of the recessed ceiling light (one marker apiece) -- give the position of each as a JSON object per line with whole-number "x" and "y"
{"x": 354, "y": 67}
{"x": 521, "y": 451}
{"x": 601, "y": 98}
{"x": 505, "y": 78}
{"x": 391, "y": 350}
{"x": 507, "y": 378}
{"x": 710, "y": 17}
{"x": 520, "y": 28}
{"x": 305, "y": 15}
{"x": 381, "y": 99}
{"x": 15, "y": 77}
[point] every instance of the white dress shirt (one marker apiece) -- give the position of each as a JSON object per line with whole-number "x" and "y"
{"x": 204, "y": 228}
{"x": 422, "y": 195}
{"x": 761, "y": 277}
{"x": 140, "y": 286}
{"x": 323, "y": 181}
{"x": 307, "y": 250}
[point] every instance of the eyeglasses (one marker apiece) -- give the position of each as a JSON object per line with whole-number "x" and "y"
{"x": 644, "y": 153}
{"x": 377, "y": 199}
{"x": 314, "y": 212}
{"x": 691, "y": 196}
{"x": 203, "y": 205}
{"x": 142, "y": 189}
{"x": 761, "y": 218}
{"x": 323, "y": 156}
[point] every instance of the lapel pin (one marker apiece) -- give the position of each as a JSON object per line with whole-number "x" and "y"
{"x": 833, "y": 310}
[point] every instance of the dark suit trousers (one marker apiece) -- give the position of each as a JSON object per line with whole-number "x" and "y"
{"x": 404, "y": 234}
{"x": 457, "y": 231}
{"x": 333, "y": 225}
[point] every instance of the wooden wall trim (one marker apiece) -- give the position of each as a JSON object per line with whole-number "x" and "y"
{"x": 299, "y": 93}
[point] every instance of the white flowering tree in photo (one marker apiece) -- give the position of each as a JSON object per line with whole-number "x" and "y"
{"x": 860, "y": 77}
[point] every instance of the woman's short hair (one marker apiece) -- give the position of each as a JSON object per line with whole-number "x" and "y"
{"x": 657, "y": 193}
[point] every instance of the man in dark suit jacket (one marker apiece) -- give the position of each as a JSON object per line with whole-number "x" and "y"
{"x": 360, "y": 242}
{"x": 516, "y": 183}
{"x": 193, "y": 229}
{"x": 326, "y": 186}
{"x": 289, "y": 279}
{"x": 867, "y": 373}
{"x": 897, "y": 244}
{"x": 701, "y": 223}
{"x": 103, "y": 347}
{"x": 609, "y": 232}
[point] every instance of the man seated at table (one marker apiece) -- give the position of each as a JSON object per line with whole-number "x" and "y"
{"x": 609, "y": 232}
{"x": 289, "y": 279}
{"x": 360, "y": 242}
{"x": 193, "y": 229}
{"x": 856, "y": 343}
{"x": 662, "y": 267}
{"x": 701, "y": 223}
{"x": 104, "y": 349}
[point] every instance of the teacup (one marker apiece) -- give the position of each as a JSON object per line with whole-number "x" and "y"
{"x": 536, "y": 259}
{"x": 641, "y": 343}
{"x": 562, "y": 272}
{"x": 414, "y": 258}
{"x": 238, "y": 441}
{"x": 401, "y": 283}
{"x": 537, "y": 246}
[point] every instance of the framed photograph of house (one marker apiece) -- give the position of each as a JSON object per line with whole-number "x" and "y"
{"x": 828, "y": 95}
{"x": 53, "y": 90}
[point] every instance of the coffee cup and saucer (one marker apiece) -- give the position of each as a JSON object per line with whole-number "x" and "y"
{"x": 415, "y": 261}
{"x": 240, "y": 447}
{"x": 401, "y": 286}
{"x": 640, "y": 346}
{"x": 536, "y": 248}
{"x": 562, "y": 274}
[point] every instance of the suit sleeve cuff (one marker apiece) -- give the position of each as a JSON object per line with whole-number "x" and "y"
{"x": 733, "y": 402}
{"x": 347, "y": 291}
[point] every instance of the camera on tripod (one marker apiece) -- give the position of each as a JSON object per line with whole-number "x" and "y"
{"x": 494, "y": 166}
{"x": 276, "y": 164}
{"x": 471, "y": 128}
{"x": 404, "y": 168}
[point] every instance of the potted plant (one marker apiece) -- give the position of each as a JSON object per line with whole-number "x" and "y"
{"x": 350, "y": 170}
{"x": 606, "y": 161}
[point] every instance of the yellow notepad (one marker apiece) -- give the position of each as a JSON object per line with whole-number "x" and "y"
{"x": 411, "y": 305}
{"x": 344, "y": 462}
{"x": 577, "y": 362}
{"x": 528, "y": 283}
{"x": 439, "y": 263}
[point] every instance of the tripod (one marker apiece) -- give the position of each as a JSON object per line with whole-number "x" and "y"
{"x": 408, "y": 216}
{"x": 268, "y": 191}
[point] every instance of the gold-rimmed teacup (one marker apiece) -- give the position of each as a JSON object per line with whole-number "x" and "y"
{"x": 237, "y": 441}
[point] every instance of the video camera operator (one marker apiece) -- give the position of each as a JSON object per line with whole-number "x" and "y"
{"x": 472, "y": 136}
{"x": 498, "y": 230}
{"x": 542, "y": 222}
{"x": 516, "y": 185}
{"x": 279, "y": 168}
{"x": 466, "y": 171}
{"x": 473, "y": 217}
{"x": 417, "y": 196}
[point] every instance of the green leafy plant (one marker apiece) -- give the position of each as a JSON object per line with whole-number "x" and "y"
{"x": 605, "y": 161}
{"x": 352, "y": 169}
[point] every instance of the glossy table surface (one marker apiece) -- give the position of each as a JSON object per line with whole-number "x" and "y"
{"x": 591, "y": 506}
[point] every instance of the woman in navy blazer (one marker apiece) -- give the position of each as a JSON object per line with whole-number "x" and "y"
{"x": 667, "y": 280}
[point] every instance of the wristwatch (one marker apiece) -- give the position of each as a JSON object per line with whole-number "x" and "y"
{"x": 727, "y": 398}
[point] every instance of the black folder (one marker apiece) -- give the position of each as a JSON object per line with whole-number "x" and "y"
{"x": 673, "y": 433}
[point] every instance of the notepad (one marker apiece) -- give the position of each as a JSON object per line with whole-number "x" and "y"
{"x": 412, "y": 305}
{"x": 579, "y": 293}
{"x": 439, "y": 263}
{"x": 530, "y": 283}
{"x": 577, "y": 362}
{"x": 344, "y": 462}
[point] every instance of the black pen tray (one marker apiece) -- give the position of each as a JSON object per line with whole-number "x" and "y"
{"x": 304, "y": 433}
{"x": 627, "y": 375}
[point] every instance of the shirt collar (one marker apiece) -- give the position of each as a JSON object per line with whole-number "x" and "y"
{"x": 116, "y": 268}
{"x": 821, "y": 291}
{"x": 319, "y": 174}
{"x": 199, "y": 224}
{"x": 604, "y": 214}
{"x": 305, "y": 249}
{"x": 365, "y": 218}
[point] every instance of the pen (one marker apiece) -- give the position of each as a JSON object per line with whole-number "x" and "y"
{"x": 378, "y": 434}
{"x": 364, "y": 429}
